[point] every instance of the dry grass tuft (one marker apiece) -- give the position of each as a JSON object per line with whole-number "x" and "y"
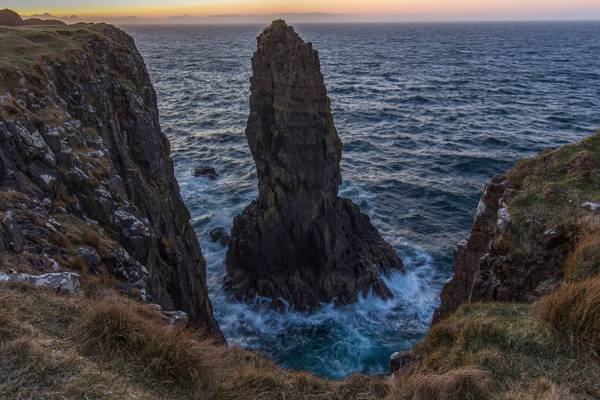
{"x": 113, "y": 329}
{"x": 541, "y": 389}
{"x": 584, "y": 261}
{"x": 460, "y": 384}
{"x": 574, "y": 310}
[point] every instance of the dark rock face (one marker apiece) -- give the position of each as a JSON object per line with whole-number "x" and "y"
{"x": 86, "y": 180}
{"x": 400, "y": 362}
{"x": 493, "y": 264}
{"x": 206, "y": 171}
{"x": 220, "y": 235}
{"x": 299, "y": 240}
{"x": 468, "y": 253}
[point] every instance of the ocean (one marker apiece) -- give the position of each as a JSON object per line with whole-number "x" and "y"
{"x": 427, "y": 113}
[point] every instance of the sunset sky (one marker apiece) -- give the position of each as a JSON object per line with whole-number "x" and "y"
{"x": 361, "y": 9}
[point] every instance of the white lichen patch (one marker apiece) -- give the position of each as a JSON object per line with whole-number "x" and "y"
{"x": 503, "y": 218}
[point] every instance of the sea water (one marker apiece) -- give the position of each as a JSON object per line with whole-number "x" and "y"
{"x": 427, "y": 114}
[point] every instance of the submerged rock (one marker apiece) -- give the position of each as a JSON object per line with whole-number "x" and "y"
{"x": 206, "y": 171}
{"x": 299, "y": 241}
{"x": 220, "y": 235}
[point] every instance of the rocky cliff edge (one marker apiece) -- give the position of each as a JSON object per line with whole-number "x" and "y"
{"x": 86, "y": 180}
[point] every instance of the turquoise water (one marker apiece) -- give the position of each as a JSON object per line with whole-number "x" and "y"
{"x": 426, "y": 112}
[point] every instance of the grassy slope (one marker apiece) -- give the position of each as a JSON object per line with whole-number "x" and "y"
{"x": 55, "y": 346}
{"x": 108, "y": 347}
{"x": 103, "y": 346}
{"x": 554, "y": 343}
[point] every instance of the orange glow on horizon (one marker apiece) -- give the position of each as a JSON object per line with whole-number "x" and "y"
{"x": 352, "y": 7}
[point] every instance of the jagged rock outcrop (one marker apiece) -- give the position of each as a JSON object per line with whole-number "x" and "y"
{"x": 86, "y": 180}
{"x": 299, "y": 241}
{"x": 535, "y": 226}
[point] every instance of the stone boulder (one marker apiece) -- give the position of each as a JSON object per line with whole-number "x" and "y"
{"x": 299, "y": 241}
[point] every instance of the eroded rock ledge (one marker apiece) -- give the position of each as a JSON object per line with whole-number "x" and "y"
{"x": 299, "y": 241}
{"x": 86, "y": 180}
{"x": 535, "y": 227}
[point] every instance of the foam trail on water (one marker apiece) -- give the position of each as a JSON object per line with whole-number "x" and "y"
{"x": 334, "y": 341}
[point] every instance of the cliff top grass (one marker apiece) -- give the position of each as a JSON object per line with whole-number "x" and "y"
{"x": 76, "y": 347}
{"x": 553, "y": 190}
{"x": 554, "y": 185}
{"x": 24, "y": 45}
{"x": 516, "y": 345}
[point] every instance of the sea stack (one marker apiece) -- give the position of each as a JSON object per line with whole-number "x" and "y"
{"x": 299, "y": 241}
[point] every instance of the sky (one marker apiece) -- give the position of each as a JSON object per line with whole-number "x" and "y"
{"x": 402, "y": 10}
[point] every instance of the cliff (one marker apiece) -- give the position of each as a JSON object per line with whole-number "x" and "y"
{"x": 534, "y": 227}
{"x": 88, "y": 203}
{"x": 86, "y": 182}
{"x": 300, "y": 241}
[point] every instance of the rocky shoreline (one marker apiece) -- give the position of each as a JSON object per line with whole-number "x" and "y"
{"x": 90, "y": 210}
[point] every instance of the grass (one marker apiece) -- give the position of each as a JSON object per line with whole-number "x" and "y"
{"x": 109, "y": 347}
{"x": 459, "y": 384}
{"x": 104, "y": 346}
{"x": 552, "y": 187}
{"x": 584, "y": 261}
{"x": 574, "y": 310}
{"x": 24, "y": 46}
{"x": 513, "y": 343}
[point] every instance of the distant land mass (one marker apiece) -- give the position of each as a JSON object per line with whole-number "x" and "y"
{"x": 321, "y": 17}
{"x": 208, "y": 19}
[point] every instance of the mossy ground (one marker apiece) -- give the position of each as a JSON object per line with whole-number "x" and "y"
{"x": 552, "y": 188}
{"x": 25, "y": 46}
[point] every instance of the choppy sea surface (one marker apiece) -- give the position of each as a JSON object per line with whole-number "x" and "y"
{"x": 427, "y": 114}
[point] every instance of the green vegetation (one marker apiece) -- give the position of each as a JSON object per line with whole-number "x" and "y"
{"x": 553, "y": 185}
{"x": 23, "y": 47}
{"x": 549, "y": 349}
{"x": 513, "y": 343}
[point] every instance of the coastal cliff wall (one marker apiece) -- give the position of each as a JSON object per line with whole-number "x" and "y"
{"x": 86, "y": 180}
{"x": 535, "y": 226}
